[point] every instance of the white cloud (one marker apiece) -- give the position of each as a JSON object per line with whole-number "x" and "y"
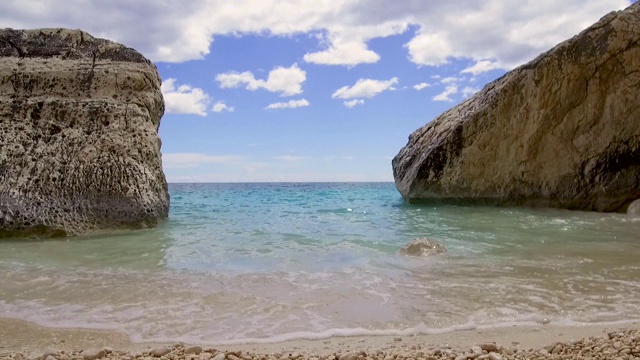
{"x": 341, "y": 158}
{"x": 260, "y": 174}
{"x": 354, "y": 102}
{"x": 346, "y": 40}
{"x": 429, "y": 49}
{"x": 450, "y": 80}
{"x": 468, "y": 91}
{"x": 269, "y": 168}
{"x": 480, "y": 67}
{"x": 421, "y": 86}
{"x": 291, "y": 104}
{"x": 289, "y": 158}
{"x": 184, "y": 99}
{"x": 350, "y": 54}
{"x": 365, "y": 88}
{"x": 445, "y": 95}
{"x": 220, "y": 106}
{"x": 509, "y": 32}
{"x": 186, "y": 160}
{"x": 286, "y": 81}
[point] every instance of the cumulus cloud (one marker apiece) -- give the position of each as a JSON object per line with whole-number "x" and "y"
{"x": 429, "y": 49}
{"x": 511, "y": 33}
{"x": 186, "y": 160}
{"x": 365, "y": 88}
{"x": 291, "y": 104}
{"x": 220, "y": 106}
{"x": 421, "y": 86}
{"x": 184, "y": 99}
{"x": 286, "y": 81}
{"x": 481, "y": 66}
{"x": 446, "y": 94}
{"x": 450, "y": 80}
{"x": 354, "y": 102}
{"x": 345, "y": 41}
{"x": 508, "y": 32}
{"x": 344, "y": 53}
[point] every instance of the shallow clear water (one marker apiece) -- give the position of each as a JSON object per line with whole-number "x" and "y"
{"x": 267, "y": 262}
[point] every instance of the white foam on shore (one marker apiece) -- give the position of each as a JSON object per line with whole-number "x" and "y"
{"x": 257, "y": 269}
{"x": 158, "y": 331}
{"x": 216, "y": 308}
{"x": 355, "y": 332}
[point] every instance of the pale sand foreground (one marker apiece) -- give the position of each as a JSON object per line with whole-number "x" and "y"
{"x": 23, "y": 340}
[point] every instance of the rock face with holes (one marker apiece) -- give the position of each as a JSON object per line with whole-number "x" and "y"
{"x": 561, "y": 131}
{"x": 79, "y": 145}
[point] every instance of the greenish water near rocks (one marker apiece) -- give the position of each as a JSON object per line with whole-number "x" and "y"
{"x": 267, "y": 262}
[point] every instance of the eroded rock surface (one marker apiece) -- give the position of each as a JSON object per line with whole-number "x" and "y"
{"x": 561, "y": 131}
{"x": 422, "y": 247}
{"x": 79, "y": 145}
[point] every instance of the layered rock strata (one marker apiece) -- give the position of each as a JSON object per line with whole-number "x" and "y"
{"x": 561, "y": 131}
{"x": 79, "y": 144}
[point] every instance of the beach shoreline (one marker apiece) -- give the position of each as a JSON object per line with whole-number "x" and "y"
{"x": 33, "y": 341}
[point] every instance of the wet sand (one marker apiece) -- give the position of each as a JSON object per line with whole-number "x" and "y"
{"x": 24, "y": 340}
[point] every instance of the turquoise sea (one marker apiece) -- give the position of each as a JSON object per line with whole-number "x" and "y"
{"x": 267, "y": 262}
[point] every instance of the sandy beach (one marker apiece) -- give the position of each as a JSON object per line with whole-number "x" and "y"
{"x": 24, "y": 340}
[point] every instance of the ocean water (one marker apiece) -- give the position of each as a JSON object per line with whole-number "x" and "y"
{"x": 267, "y": 262}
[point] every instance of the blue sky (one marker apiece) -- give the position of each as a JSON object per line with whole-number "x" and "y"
{"x": 275, "y": 90}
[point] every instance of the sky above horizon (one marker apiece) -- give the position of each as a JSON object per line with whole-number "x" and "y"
{"x": 326, "y": 90}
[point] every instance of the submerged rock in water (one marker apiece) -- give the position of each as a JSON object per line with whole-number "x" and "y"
{"x": 79, "y": 120}
{"x": 561, "y": 131}
{"x": 422, "y": 247}
{"x": 634, "y": 208}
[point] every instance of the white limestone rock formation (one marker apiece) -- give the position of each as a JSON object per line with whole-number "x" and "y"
{"x": 79, "y": 145}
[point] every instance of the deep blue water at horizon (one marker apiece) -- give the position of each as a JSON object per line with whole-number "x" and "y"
{"x": 272, "y": 261}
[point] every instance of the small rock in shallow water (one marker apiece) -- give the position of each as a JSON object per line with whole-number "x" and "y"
{"x": 160, "y": 351}
{"x": 634, "y": 208}
{"x": 348, "y": 356}
{"x": 422, "y": 247}
{"x": 49, "y": 352}
{"x": 544, "y": 352}
{"x": 193, "y": 350}
{"x": 93, "y": 354}
{"x": 489, "y": 347}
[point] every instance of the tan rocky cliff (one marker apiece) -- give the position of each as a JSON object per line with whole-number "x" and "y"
{"x": 79, "y": 145}
{"x": 561, "y": 131}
